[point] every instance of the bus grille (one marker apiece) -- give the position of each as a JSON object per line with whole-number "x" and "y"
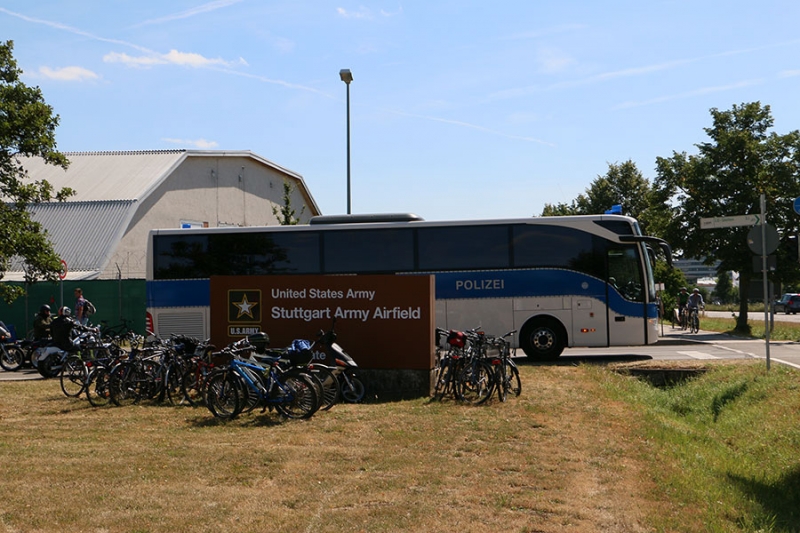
{"x": 191, "y": 324}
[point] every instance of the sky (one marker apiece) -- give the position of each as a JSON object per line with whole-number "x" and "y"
{"x": 459, "y": 109}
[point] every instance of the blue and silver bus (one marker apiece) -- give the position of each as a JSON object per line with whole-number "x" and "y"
{"x": 577, "y": 281}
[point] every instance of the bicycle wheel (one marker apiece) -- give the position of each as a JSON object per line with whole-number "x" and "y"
{"x": 330, "y": 386}
{"x": 97, "y": 387}
{"x": 193, "y": 384}
{"x": 73, "y": 376}
{"x": 125, "y": 384}
{"x": 442, "y": 385}
{"x": 501, "y": 382}
{"x": 513, "y": 382}
{"x": 222, "y": 394}
{"x": 299, "y": 396}
{"x": 173, "y": 382}
{"x": 475, "y": 383}
{"x": 11, "y": 357}
{"x": 695, "y": 322}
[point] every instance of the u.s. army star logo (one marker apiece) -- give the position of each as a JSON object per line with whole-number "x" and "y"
{"x": 243, "y": 305}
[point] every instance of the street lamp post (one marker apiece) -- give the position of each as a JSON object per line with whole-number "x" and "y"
{"x": 347, "y": 77}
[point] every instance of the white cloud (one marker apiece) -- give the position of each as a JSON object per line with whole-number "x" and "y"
{"x": 173, "y": 57}
{"x": 68, "y": 74}
{"x": 362, "y": 13}
{"x": 201, "y": 144}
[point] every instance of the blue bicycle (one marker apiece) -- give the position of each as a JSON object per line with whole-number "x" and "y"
{"x": 260, "y": 381}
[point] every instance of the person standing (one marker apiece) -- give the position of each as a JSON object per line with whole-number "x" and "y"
{"x": 80, "y": 308}
{"x": 41, "y": 324}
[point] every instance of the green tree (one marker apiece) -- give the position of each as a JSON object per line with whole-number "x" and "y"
{"x": 623, "y": 184}
{"x": 286, "y": 213}
{"x": 725, "y": 292}
{"x": 726, "y": 177}
{"x": 27, "y": 128}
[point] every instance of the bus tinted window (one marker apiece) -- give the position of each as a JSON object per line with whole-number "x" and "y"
{"x": 189, "y": 256}
{"x": 463, "y": 247}
{"x": 558, "y": 247}
{"x": 176, "y": 256}
{"x": 387, "y": 250}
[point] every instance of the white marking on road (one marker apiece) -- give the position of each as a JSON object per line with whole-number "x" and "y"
{"x": 699, "y": 355}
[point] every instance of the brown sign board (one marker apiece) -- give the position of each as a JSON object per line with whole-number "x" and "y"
{"x": 382, "y": 321}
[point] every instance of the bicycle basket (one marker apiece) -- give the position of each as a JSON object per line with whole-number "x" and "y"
{"x": 456, "y": 338}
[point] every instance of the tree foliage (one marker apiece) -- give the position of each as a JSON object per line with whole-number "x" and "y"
{"x": 27, "y": 128}
{"x": 742, "y": 160}
{"x": 623, "y": 184}
{"x": 286, "y": 213}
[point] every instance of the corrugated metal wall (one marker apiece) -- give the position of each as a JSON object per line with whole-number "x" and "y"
{"x": 114, "y": 300}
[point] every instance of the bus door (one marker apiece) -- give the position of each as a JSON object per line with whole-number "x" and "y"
{"x": 627, "y": 312}
{"x": 589, "y": 321}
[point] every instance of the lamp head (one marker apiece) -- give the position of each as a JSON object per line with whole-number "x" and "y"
{"x": 346, "y": 75}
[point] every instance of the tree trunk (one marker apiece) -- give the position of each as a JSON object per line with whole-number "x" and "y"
{"x": 744, "y": 291}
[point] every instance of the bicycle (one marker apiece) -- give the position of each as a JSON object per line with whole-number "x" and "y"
{"x": 244, "y": 384}
{"x": 694, "y": 320}
{"x": 506, "y": 372}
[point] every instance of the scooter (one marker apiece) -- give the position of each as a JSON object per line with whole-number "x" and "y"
{"x": 351, "y": 387}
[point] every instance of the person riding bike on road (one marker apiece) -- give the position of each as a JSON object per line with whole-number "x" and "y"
{"x": 695, "y": 301}
{"x": 683, "y": 297}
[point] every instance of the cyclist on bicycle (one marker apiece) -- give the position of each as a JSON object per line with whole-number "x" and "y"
{"x": 683, "y": 297}
{"x": 695, "y": 301}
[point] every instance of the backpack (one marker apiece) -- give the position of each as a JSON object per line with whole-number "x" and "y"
{"x": 89, "y": 309}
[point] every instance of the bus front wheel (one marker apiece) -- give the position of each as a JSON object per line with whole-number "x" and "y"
{"x": 542, "y": 339}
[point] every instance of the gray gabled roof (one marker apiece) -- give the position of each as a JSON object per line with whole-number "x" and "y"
{"x": 102, "y": 176}
{"x": 88, "y": 237}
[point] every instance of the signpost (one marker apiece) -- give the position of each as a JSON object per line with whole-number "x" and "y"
{"x": 762, "y": 239}
{"x": 730, "y": 222}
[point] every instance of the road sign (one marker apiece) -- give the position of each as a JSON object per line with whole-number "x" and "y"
{"x": 63, "y": 272}
{"x": 729, "y": 222}
{"x": 758, "y": 245}
{"x": 797, "y": 205}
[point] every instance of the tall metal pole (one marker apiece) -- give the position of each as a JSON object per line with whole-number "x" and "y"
{"x": 347, "y": 76}
{"x": 348, "y": 148}
{"x": 764, "y": 271}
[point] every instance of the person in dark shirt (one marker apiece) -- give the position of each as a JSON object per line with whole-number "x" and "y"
{"x": 63, "y": 328}
{"x": 41, "y": 324}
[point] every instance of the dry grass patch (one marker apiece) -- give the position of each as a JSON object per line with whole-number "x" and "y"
{"x": 560, "y": 458}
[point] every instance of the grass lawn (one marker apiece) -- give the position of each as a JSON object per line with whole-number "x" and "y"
{"x": 584, "y": 449}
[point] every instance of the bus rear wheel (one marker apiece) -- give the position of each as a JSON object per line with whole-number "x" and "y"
{"x": 542, "y": 339}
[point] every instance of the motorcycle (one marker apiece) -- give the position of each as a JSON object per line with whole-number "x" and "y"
{"x": 49, "y": 359}
{"x": 351, "y": 387}
{"x": 12, "y": 356}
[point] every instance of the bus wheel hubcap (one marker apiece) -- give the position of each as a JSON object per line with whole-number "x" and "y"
{"x": 543, "y": 339}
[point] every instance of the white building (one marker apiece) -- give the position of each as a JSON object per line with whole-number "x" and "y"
{"x": 101, "y": 231}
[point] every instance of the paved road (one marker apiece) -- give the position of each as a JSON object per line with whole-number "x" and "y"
{"x": 676, "y": 344}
